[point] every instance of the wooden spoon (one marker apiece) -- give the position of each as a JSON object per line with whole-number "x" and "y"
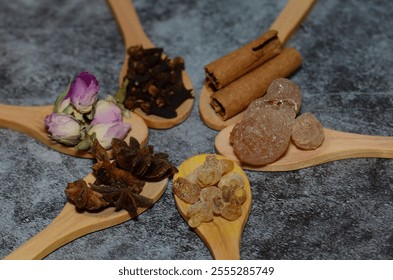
{"x": 70, "y": 225}
{"x": 336, "y": 146}
{"x": 286, "y": 23}
{"x": 30, "y": 120}
{"x": 133, "y": 34}
{"x": 221, "y": 236}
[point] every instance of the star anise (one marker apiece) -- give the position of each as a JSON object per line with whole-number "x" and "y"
{"x": 142, "y": 161}
{"x": 84, "y": 197}
{"x": 122, "y": 197}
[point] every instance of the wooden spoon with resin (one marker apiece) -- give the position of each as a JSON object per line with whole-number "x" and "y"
{"x": 133, "y": 34}
{"x": 221, "y": 236}
{"x": 286, "y": 23}
{"x": 336, "y": 146}
{"x": 30, "y": 120}
{"x": 70, "y": 225}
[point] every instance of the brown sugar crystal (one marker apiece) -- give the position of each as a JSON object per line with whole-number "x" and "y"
{"x": 263, "y": 135}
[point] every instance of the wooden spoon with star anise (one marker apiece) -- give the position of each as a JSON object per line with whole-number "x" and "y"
{"x": 111, "y": 195}
{"x": 134, "y": 35}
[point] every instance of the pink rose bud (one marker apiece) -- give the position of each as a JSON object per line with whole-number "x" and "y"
{"x": 63, "y": 128}
{"x": 83, "y": 92}
{"x": 105, "y": 132}
{"x": 106, "y": 112}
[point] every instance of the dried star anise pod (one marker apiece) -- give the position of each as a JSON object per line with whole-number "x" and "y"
{"x": 142, "y": 162}
{"x": 84, "y": 197}
{"x": 123, "y": 197}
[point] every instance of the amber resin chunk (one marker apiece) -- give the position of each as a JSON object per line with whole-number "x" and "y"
{"x": 307, "y": 132}
{"x": 223, "y": 198}
{"x": 264, "y": 133}
{"x": 283, "y": 88}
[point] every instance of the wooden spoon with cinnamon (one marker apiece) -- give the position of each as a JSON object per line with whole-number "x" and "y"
{"x": 286, "y": 23}
{"x": 133, "y": 34}
{"x": 336, "y": 146}
{"x": 221, "y": 236}
{"x": 70, "y": 225}
{"x": 30, "y": 120}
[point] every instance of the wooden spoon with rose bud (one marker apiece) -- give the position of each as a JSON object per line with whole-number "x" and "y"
{"x": 30, "y": 120}
{"x": 221, "y": 236}
{"x": 70, "y": 225}
{"x": 134, "y": 35}
{"x": 337, "y": 145}
{"x": 286, "y": 23}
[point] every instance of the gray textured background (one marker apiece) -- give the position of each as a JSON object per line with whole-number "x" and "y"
{"x": 339, "y": 210}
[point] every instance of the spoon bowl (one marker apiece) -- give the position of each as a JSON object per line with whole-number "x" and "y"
{"x": 336, "y": 146}
{"x": 30, "y": 120}
{"x": 133, "y": 34}
{"x": 285, "y": 24}
{"x": 221, "y": 236}
{"x": 70, "y": 225}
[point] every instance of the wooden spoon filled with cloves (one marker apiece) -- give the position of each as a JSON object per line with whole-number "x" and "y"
{"x": 155, "y": 87}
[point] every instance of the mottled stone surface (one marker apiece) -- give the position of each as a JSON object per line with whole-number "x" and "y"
{"x": 339, "y": 210}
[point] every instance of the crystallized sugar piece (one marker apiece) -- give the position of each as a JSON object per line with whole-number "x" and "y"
{"x": 226, "y": 166}
{"x": 186, "y": 191}
{"x": 209, "y": 176}
{"x": 231, "y": 212}
{"x": 209, "y": 193}
{"x": 283, "y": 88}
{"x": 231, "y": 179}
{"x": 194, "y": 221}
{"x": 307, "y": 132}
{"x": 217, "y": 205}
{"x": 262, "y": 136}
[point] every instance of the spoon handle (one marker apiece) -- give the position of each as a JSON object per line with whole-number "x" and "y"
{"x": 28, "y": 120}
{"x": 290, "y": 18}
{"x": 129, "y": 24}
{"x": 66, "y": 227}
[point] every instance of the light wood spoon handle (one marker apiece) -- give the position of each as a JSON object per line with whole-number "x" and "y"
{"x": 28, "y": 120}
{"x": 290, "y": 18}
{"x": 129, "y": 24}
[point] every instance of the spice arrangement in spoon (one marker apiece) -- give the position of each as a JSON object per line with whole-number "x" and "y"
{"x": 76, "y": 119}
{"x": 273, "y": 136}
{"x": 155, "y": 87}
{"x": 112, "y": 194}
{"x": 236, "y": 79}
{"x": 213, "y": 195}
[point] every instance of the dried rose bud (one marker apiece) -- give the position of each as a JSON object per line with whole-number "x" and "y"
{"x": 82, "y": 93}
{"x": 105, "y": 132}
{"x": 106, "y": 112}
{"x": 63, "y": 128}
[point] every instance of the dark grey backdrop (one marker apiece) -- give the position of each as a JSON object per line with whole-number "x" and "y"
{"x": 339, "y": 210}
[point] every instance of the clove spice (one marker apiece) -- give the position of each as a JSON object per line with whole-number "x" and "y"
{"x": 154, "y": 82}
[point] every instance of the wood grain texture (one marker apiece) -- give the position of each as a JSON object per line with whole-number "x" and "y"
{"x": 336, "y": 146}
{"x": 221, "y": 236}
{"x": 133, "y": 34}
{"x": 31, "y": 121}
{"x": 286, "y": 23}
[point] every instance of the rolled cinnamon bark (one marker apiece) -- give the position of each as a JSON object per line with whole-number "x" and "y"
{"x": 235, "y": 97}
{"x": 235, "y": 64}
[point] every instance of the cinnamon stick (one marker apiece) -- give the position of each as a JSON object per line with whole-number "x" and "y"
{"x": 235, "y": 97}
{"x": 235, "y": 64}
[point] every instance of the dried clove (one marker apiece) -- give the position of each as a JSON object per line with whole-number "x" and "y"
{"x": 154, "y": 82}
